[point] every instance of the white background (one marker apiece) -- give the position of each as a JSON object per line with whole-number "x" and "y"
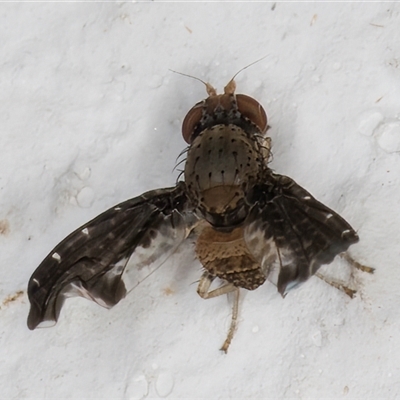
{"x": 90, "y": 115}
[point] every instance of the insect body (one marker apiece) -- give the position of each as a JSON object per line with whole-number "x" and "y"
{"x": 247, "y": 220}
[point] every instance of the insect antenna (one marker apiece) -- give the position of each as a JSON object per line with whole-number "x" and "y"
{"x": 247, "y": 66}
{"x": 231, "y": 86}
{"x": 209, "y": 88}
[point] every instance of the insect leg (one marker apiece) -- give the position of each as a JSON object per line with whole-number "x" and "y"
{"x": 203, "y": 291}
{"x": 337, "y": 285}
{"x": 266, "y": 149}
{"x": 356, "y": 264}
{"x": 232, "y": 328}
{"x": 204, "y": 286}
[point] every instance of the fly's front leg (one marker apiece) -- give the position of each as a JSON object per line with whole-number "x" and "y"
{"x": 266, "y": 149}
{"x": 203, "y": 291}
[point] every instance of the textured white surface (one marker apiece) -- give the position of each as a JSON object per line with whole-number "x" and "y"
{"x": 90, "y": 116}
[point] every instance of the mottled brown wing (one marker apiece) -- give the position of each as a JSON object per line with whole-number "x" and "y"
{"x": 288, "y": 227}
{"x": 92, "y": 261}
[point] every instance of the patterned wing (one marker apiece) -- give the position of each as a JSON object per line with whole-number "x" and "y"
{"x": 289, "y": 227}
{"x": 92, "y": 262}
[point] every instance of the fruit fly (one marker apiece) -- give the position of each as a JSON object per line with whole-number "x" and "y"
{"x": 246, "y": 221}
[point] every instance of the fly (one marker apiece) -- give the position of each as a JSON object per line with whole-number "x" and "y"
{"x": 247, "y": 221}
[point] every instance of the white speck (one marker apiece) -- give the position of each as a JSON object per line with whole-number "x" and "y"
{"x": 306, "y": 198}
{"x": 389, "y": 137}
{"x": 36, "y": 281}
{"x": 337, "y": 66}
{"x": 346, "y": 231}
{"x": 117, "y": 209}
{"x": 137, "y": 389}
{"x": 56, "y": 256}
{"x": 338, "y": 321}
{"x": 369, "y": 121}
{"x": 255, "y": 329}
{"x": 329, "y": 216}
{"x": 353, "y": 66}
{"x": 156, "y": 81}
{"x": 85, "y": 174}
{"x": 85, "y": 197}
{"x": 119, "y": 87}
{"x": 317, "y": 338}
{"x": 85, "y": 231}
{"x": 316, "y": 78}
{"x": 72, "y": 201}
{"x": 164, "y": 384}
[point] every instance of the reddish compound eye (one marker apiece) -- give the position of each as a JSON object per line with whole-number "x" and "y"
{"x": 248, "y": 107}
{"x": 253, "y": 110}
{"x": 192, "y": 118}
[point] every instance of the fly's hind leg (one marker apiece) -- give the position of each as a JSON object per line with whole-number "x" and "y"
{"x": 356, "y": 264}
{"x": 232, "y": 328}
{"x": 204, "y": 292}
{"x": 338, "y": 285}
